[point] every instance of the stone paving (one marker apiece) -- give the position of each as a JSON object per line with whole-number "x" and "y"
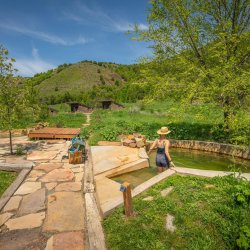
{"x": 47, "y": 210}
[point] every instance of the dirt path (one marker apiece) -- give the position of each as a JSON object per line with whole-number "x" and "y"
{"x": 88, "y": 116}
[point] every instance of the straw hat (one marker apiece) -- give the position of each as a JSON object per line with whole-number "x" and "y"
{"x": 163, "y": 131}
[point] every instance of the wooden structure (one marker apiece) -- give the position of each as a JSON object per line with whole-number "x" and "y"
{"x": 76, "y": 158}
{"x": 109, "y": 104}
{"x": 79, "y": 107}
{"x": 54, "y": 133}
{"x": 127, "y": 198}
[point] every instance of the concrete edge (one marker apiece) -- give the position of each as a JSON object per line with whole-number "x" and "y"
{"x": 16, "y": 167}
{"x": 209, "y": 173}
{"x": 94, "y": 233}
{"x": 138, "y": 190}
{"x": 215, "y": 147}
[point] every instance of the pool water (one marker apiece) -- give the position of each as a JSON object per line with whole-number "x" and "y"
{"x": 187, "y": 158}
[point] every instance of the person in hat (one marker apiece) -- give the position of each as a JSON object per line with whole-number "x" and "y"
{"x": 163, "y": 159}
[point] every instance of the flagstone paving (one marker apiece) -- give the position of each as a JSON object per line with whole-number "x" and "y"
{"x": 47, "y": 210}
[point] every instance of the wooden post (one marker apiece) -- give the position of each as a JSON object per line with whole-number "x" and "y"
{"x": 127, "y": 198}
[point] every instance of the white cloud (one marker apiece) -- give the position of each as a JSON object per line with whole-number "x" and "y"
{"x": 31, "y": 66}
{"x": 101, "y": 18}
{"x": 50, "y": 38}
{"x": 35, "y": 53}
{"x": 120, "y": 26}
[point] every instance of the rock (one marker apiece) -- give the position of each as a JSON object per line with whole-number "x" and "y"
{"x": 68, "y": 165}
{"x": 149, "y": 198}
{"x": 166, "y": 191}
{"x": 55, "y": 141}
{"x": 132, "y": 145}
{"x": 140, "y": 144}
{"x": 57, "y": 175}
{"x": 109, "y": 143}
{"x": 27, "y": 188}
{"x": 169, "y": 223}
{"x": 13, "y": 203}
{"x": 21, "y": 239}
{"x": 42, "y": 155}
{"x": 49, "y": 245}
{"x": 4, "y": 217}
{"x": 142, "y": 153}
{"x": 47, "y": 167}
{"x": 77, "y": 170}
{"x": 126, "y": 142}
{"x": 66, "y": 241}
{"x": 32, "y": 179}
{"x": 65, "y": 212}
{"x": 33, "y": 202}
{"x": 35, "y": 173}
{"x": 25, "y": 222}
{"x": 50, "y": 185}
{"x": 79, "y": 176}
{"x": 69, "y": 186}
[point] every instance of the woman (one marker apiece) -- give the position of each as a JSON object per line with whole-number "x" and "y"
{"x": 163, "y": 159}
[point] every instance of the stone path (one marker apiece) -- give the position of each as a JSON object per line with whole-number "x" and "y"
{"x": 47, "y": 210}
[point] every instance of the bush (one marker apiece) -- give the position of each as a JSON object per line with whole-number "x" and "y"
{"x": 19, "y": 150}
{"x": 243, "y": 242}
{"x": 110, "y": 133}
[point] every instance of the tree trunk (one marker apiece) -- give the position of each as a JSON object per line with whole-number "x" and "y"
{"x": 226, "y": 120}
{"x": 10, "y": 136}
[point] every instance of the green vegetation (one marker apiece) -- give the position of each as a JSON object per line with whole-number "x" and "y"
{"x": 73, "y": 80}
{"x": 11, "y": 95}
{"x": 194, "y": 122}
{"x": 201, "y": 53}
{"x": 67, "y": 120}
{"x": 6, "y": 178}
{"x": 207, "y": 216}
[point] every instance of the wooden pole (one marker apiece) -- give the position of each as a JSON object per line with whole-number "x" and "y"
{"x": 127, "y": 198}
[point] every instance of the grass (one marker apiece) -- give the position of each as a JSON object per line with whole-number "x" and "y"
{"x": 6, "y": 178}
{"x": 192, "y": 122}
{"x": 205, "y": 218}
{"x": 62, "y": 119}
{"x": 68, "y": 120}
{"x": 62, "y": 107}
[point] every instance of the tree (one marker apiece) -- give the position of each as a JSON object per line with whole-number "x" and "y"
{"x": 209, "y": 41}
{"x": 31, "y": 97}
{"x": 11, "y": 95}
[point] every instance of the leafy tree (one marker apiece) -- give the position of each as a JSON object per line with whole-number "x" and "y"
{"x": 209, "y": 41}
{"x": 11, "y": 94}
{"x": 31, "y": 97}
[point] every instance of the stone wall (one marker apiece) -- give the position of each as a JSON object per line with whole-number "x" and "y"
{"x": 216, "y": 147}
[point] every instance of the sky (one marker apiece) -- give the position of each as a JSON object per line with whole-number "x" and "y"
{"x": 42, "y": 34}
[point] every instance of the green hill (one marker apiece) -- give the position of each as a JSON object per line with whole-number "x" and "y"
{"x": 76, "y": 78}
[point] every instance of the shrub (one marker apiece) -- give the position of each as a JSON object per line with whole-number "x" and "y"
{"x": 243, "y": 242}
{"x": 19, "y": 150}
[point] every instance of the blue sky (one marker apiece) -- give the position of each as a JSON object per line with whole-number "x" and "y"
{"x": 41, "y": 34}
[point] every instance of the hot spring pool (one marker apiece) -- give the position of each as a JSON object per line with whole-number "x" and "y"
{"x": 189, "y": 159}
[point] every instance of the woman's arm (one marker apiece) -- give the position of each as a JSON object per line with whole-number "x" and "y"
{"x": 152, "y": 147}
{"x": 167, "y": 145}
